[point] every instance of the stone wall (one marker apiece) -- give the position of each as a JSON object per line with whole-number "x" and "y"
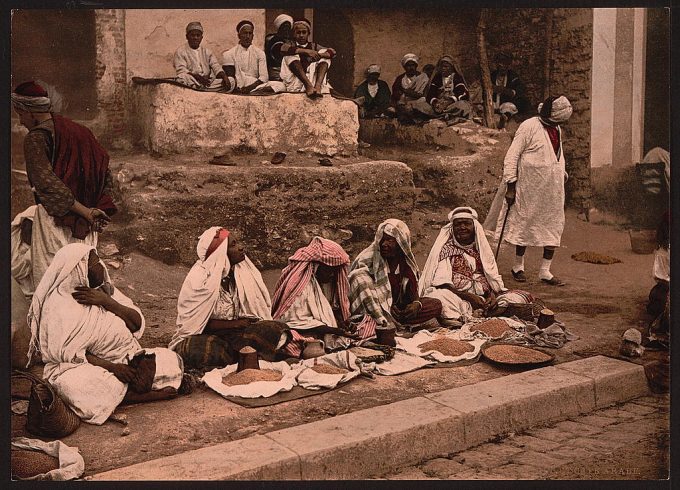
{"x": 153, "y": 35}
{"x": 571, "y": 76}
{"x": 170, "y": 119}
{"x": 275, "y": 210}
{"x": 111, "y": 122}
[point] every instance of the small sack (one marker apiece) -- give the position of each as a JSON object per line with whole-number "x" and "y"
{"x": 48, "y": 415}
{"x": 145, "y": 370}
{"x": 29, "y": 464}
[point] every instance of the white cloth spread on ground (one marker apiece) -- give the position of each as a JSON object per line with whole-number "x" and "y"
{"x": 411, "y": 345}
{"x": 200, "y": 291}
{"x": 200, "y": 61}
{"x": 71, "y": 463}
{"x": 256, "y": 389}
{"x": 537, "y": 216}
{"x": 292, "y": 83}
{"x": 311, "y": 380}
{"x": 311, "y": 309}
{"x": 401, "y": 363}
{"x": 250, "y": 64}
{"x": 29, "y": 263}
{"x": 439, "y": 272}
{"x": 63, "y": 331}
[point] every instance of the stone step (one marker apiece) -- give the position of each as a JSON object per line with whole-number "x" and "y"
{"x": 376, "y": 440}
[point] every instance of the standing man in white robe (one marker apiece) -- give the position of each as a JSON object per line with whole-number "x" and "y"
{"x": 245, "y": 64}
{"x": 533, "y": 188}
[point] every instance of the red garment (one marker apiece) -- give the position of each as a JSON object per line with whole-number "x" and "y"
{"x": 403, "y": 294}
{"x": 554, "y": 135}
{"x": 81, "y": 163}
{"x": 220, "y": 236}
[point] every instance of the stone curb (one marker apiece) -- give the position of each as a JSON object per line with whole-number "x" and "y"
{"x": 376, "y": 440}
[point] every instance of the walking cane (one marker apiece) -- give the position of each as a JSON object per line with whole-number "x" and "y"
{"x": 500, "y": 238}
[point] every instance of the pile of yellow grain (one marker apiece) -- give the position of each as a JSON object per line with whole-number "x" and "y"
{"x": 515, "y": 354}
{"x": 251, "y": 375}
{"x": 492, "y": 328}
{"x": 448, "y": 347}
{"x": 595, "y": 258}
{"x": 328, "y": 369}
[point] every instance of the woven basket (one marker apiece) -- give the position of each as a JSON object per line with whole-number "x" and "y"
{"x": 642, "y": 241}
{"x": 27, "y": 463}
{"x": 48, "y": 415}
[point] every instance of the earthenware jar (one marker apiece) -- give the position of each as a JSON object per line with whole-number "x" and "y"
{"x": 386, "y": 336}
{"x": 247, "y": 359}
{"x": 313, "y": 348}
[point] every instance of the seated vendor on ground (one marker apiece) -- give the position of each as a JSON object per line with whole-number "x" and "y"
{"x": 224, "y": 306}
{"x": 408, "y": 92}
{"x": 245, "y": 64}
{"x": 373, "y": 94}
{"x": 383, "y": 282}
{"x": 461, "y": 272}
{"x": 311, "y": 296}
{"x": 448, "y": 94}
{"x": 87, "y": 333}
{"x": 509, "y": 93}
{"x": 305, "y": 63}
{"x": 273, "y": 43}
{"x": 196, "y": 66}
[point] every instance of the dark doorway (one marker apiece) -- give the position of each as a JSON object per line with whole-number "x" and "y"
{"x": 333, "y": 29}
{"x": 57, "y": 47}
{"x": 657, "y": 80}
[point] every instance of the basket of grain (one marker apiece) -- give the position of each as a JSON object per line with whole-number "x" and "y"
{"x": 28, "y": 464}
{"x": 516, "y": 356}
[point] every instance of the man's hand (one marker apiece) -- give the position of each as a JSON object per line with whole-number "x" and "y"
{"x": 510, "y": 194}
{"x": 412, "y": 310}
{"x": 311, "y": 53}
{"x": 98, "y": 219}
{"x": 89, "y": 296}
{"x": 477, "y": 302}
{"x": 205, "y": 81}
{"x": 123, "y": 372}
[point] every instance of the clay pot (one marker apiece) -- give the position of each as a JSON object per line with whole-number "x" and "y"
{"x": 386, "y": 336}
{"x": 247, "y": 359}
{"x": 313, "y": 348}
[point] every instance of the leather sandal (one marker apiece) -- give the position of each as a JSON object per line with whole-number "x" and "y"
{"x": 553, "y": 282}
{"x": 519, "y": 276}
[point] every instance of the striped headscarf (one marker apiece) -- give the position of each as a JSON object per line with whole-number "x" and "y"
{"x": 302, "y": 265}
{"x": 370, "y": 292}
{"x": 31, "y": 97}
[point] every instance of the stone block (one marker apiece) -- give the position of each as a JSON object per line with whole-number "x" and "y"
{"x": 518, "y": 401}
{"x": 373, "y": 441}
{"x": 514, "y": 471}
{"x": 596, "y": 420}
{"x": 551, "y": 434}
{"x": 539, "y": 460}
{"x": 272, "y": 210}
{"x": 531, "y": 443}
{"x": 638, "y": 408}
{"x": 489, "y": 455}
{"x": 615, "y": 380}
{"x": 578, "y": 428}
{"x": 254, "y": 458}
{"x": 170, "y": 119}
{"x": 442, "y": 467}
{"x": 598, "y": 444}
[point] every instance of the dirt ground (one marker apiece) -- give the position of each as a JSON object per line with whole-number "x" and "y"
{"x": 598, "y": 304}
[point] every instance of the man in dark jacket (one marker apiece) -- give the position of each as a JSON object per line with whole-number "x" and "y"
{"x": 375, "y": 93}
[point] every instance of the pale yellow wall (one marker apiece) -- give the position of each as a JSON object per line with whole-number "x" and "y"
{"x": 153, "y": 35}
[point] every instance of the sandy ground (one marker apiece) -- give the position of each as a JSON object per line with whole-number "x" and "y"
{"x": 598, "y": 304}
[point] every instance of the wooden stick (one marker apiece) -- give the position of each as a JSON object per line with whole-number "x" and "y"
{"x": 487, "y": 89}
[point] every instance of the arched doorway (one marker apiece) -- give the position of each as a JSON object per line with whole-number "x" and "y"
{"x": 333, "y": 29}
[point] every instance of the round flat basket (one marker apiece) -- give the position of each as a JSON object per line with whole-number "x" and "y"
{"x": 515, "y": 356}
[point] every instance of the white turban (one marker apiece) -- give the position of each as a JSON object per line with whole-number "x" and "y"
{"x": 31, "y": 104}
{"x": 463, "y": 212}
{"x": 409, "y": 57}
{"x": 561, "y": 110}
{"x": 194, "y": 26}
{"x": 279, "y": 21}
{"x": 373, "y": 69}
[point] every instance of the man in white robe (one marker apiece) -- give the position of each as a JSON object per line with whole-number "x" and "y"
{"x": 87, "y": 333}
{"x": 245, "y": 64}
{"x": 223, "y": 306}
{"x": 532, "y": 191}
{"x": 196, "y": 66}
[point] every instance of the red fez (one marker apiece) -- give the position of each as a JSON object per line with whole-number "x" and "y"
{"x": 30, "y": 89}
{"x": 220, "y": 236}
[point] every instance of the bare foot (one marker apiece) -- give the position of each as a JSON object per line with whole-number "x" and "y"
{"x": 310, "y": 92}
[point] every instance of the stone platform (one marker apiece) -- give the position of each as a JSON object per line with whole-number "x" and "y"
{"x": 170, "y": 119}
{"x": 274, "y": 209}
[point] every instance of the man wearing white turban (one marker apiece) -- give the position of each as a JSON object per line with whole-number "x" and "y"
{"x": 409, "y": 89}
{"x": 532, "y": 191}
{"x": 274, "y": 42}
{"x": 196, "y": 66}
{"x": 461, "y": 271}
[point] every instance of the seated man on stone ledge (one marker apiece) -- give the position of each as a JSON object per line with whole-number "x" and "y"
{"x": 305, "y": 63}
{"x": 245, "y": 64}
{"x": 196, "y": 66}
{"x": 224, "y": 306}
{"x": 448, "y": 94}
{"x": 372, "y": 94}
{"x": 383, "y": 284}
{"x": 408, "y": 92}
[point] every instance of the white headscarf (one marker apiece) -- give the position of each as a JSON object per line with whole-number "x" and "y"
{"x": 481, "y": 243}
{"x": 409, "y": 57}
{"x": 560, "y": 112}
{"x": 278, "y": 22}
{"x": 201, "y": 288}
